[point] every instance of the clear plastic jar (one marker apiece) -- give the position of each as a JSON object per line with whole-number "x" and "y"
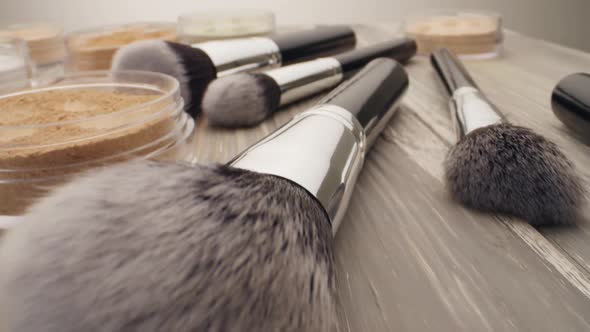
{"x": 470, "y": 34}
{"x": 45, "y": 43}
{"x": 36, "y": 155}
{"x": 93, "y": 49}
{"x": 212, "y": 25}
{"x": 14, "y": 65}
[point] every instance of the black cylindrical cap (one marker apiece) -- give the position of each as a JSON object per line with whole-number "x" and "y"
{"x": 401, "y": 50}
{"x": 308, "y": 44}
{"x": 371, "y": 93}
{"x": 451, "y": 71}
{"x": 571, "y": 103}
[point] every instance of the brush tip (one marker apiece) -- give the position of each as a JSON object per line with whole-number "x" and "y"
{"x": 511, "y": 170}
{"x": 240, "y": 100}
{"x": 147, "y": 246}
{"x": 191, "y": 67}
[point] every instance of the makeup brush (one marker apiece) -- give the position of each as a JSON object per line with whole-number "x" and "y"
{"x": 571, "y": 103}
{"x": 499, "y": 167}
{"x": 194, "y": 66}
{"x": 248, "y": 98}
{"x": 246, "y": 246}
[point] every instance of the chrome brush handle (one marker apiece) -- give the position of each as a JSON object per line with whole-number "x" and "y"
{"x": 323, "y": 149}
{"x": 470, "y": 107}
{"x": 451, "y": 71}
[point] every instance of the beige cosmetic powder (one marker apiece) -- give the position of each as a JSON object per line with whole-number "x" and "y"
{"x": 47, "y": 135}
{"x": 93, "y": 49}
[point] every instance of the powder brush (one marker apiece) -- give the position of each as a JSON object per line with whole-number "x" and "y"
{"x": 194, "y": 66}
{"x": 499, "y": 167}
{"x": 246, "y": 246}
{"x": 247, "y": 99}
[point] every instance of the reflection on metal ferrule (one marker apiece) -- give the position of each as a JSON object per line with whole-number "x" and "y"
{"x": 307, "y": 78}
{"x": 241, "y": 55}
{"x": 472, "y": 110}
{"x": 322, "y": 150}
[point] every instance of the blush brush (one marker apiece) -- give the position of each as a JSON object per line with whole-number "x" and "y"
{"x": 195, "y": 66}
{"x": 499, "y": 167}
{"x": 247, "y": 99}
{"x": 247, "y": 246}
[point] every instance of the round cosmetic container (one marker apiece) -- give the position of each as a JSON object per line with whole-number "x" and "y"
{"x": 93, "y": 49}
{"x": 84, "y": 121}
{"x": 45, "y": 43}
{"x": 469, "y": 34}
{"x": 212, "y": 25}
{"x": 14, "y": 65}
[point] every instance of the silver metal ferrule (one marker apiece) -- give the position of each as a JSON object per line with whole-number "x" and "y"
{"x": 244, "y": 54}
{"x": 472, "y": 110}
{"x": 307, "y": 78}
{"x": 322, "y": 150}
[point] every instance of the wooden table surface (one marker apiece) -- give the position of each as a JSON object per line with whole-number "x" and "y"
{"x": 408, "y": 258}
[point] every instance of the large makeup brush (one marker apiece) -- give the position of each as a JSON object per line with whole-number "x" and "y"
{"x": 247, "y": 99}
{"x": 196, "y": 65}
{"x": 246, "y": 246}
{"x": 499, "y": 167}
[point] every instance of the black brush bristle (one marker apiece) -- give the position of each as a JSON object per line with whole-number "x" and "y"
{"x": 241, "y": 100}
{"x": 199, "y": 71}
{"x": 511, "y": 170}
{"x": 160, "y": 247}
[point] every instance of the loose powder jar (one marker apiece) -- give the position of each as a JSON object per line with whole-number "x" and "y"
{"x": 45, "y": 43}
{"x": 212, "y": 25}
{"x": 467, "y": 33}
{"x": 85, "y": 121}
{"x": 93, "y": 49}
{"x": 14, "y": 65}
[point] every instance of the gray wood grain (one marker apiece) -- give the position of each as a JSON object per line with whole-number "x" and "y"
{"x": 411, "y": 260}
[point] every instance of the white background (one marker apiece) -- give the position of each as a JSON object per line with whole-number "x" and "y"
{"x": 563, "y": 21}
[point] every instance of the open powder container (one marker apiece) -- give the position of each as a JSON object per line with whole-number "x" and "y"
{"x": 212, "y": 25}
{"x": 86, "y": 121}
{"x": 93, "y": 49}
{"x": 14, "y": 65}
{"x": 469, "y": 34}
{"x": 46, "y": 49}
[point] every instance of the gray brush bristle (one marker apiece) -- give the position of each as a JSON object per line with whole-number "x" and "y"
{"x": 158, "y": 247}
{"x": 240, "y": 100}
{"x": 192, "y": 67}
{"x": 511, "y": 170}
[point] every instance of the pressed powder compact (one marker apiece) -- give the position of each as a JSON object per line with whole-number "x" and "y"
{"x": 93, "y": 49}
{"x": 82, "y": 122}
{"x": 472, "y": 34}
{"x": 212, "y": 25}
{"x": 45, "y": 43}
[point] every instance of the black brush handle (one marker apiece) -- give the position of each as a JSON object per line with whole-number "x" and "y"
{"x": 371, "y": 93}
{"x": 308, "y": 44}
{"x": 451, "y": 71}
{"x": 401, "y": 50}
{"x": 571, "y": 103}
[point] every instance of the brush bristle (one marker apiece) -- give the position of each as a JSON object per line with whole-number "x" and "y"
{"x": 241, "y": 100}
{"x": 511, "y": 170}
{"x": 192, "y": 67}
{"x": 156, "y": 247}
